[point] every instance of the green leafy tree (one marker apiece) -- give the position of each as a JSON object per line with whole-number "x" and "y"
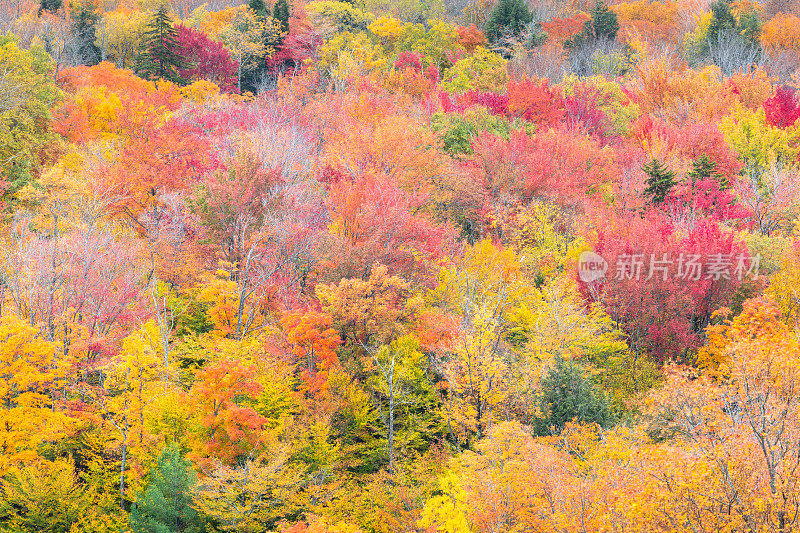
{"x": 660, "y": 181}
{"x": 27, "y": 94}
{"x": 165, "y": 506}
{"x": 160, "y": 57}
{"x": 569, "y": 394}
{"x": 405, "y": 396}
{"x": 508, "y": 19}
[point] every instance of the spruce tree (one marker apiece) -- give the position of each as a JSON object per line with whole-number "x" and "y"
{"x": 509, "y": 17}
{"x": 49, "y": 5}
{"x": 703, "y": 168}
{"x": 660, "y": 181}
{"x": 568, "y": 394}
{"x": 165, "y": 505}
{"x": 161, "y": 56}
{"x": 281, "y": 14}
{"x": 84, "y": 28}
{"x": 604, "y": 23}
{"x": 259, "y": 9}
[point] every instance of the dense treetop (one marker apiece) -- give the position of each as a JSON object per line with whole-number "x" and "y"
{"x": 399, "y": 266}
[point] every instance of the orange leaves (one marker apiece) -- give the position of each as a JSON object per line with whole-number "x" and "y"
{"x": 372, "y": 311}
{"x": 314, "y": 343}
{"x": 782, "y": 32}
{"x": 535, "y": 101}
{"x": 230, "y": 426}
{"x": 470, "y": 37}
{"x": 560, "y": 30}
{"x": 111, "y": 103}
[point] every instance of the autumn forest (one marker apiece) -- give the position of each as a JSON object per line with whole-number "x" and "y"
{"x": 394, "y": 266}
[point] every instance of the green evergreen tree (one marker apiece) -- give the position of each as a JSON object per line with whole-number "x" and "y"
{"x": 260, "y": 9}
{"x": 604, "y": 23}
{"x": 703, "y": 168}
{"x": 660, "y": 181}
{"x": 161, "y": 56}
{"x": 509, "y": 17}
{"x": 281, "y": 14}
{"x": 165, "y": 505}
{"x": 750, "y": 26}
{"x": 49, "y": 5}
{"x": 568, "y": 394}
{"x": 84, "y": 28}
{"x": 722, "y": 20}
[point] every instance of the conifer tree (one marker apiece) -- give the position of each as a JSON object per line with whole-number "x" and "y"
{"x": 259, "y": 9}
{"x": 161, "y": 56}
{"x": 722, "y": 20}
{"x": 660, "y": 181}
{"x": 281, "y": 14}
{"x": 508, "y": 17}
{"x": 703, "y": 168}
{"x": 602, "y": 25}
{"x": 165, "y": 505}
{"x": 84, "y": 28}
{"x": 569, "y": 394}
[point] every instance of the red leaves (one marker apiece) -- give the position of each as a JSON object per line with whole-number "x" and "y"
{"x": 782, "y": 109}
{"x": 535, "y": 101}
{"x": 209, "y": 59}
{"x": 376, "y": 221}
{"x": 667, "y": 313}
{"x": 555, "y": 164}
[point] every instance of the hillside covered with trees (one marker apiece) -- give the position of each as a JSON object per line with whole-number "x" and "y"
{"x": 389, "y": 266}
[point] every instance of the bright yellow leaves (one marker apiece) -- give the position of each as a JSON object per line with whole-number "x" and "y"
{"x": 482, "y": 71}
{"x": 29, "y": 373}
{"x": 758, "y": 144}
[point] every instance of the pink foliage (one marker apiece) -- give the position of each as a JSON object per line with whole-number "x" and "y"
{"x": 782, "y": 109}
{"x": 410, "y": 60}
{"x": 662, "y": 285}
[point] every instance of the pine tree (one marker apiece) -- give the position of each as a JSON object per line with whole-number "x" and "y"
{"x": 84, "y": 28}
{"x": 508, "y": 17}
{"x": 569, "y": 394}
{"x": 602, "y": 25}
{"x": 165, "y": 505}
{"x": 703, "y": 168}
{"x": 161, "y": 57}
{"x": 660, "y": 181}
{"x": 49, "y": 5}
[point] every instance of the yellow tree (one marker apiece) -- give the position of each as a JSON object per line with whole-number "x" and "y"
{"x": 129, "y": 383}
{"x": 479, "y": 292}
{"x": 30, "y": 378}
